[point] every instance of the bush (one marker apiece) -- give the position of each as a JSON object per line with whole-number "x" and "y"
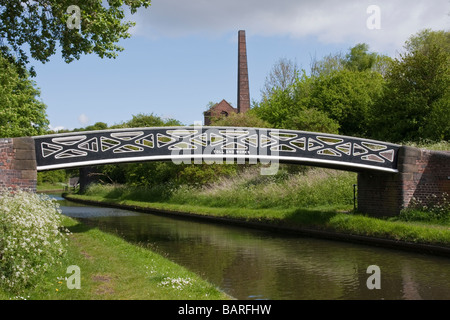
{"x": 432, "y": 209}
{"x": 53, "y": 176}
{"x": 31, "y": 241}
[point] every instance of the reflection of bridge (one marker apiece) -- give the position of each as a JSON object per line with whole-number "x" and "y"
{"x": 389, "y": 175}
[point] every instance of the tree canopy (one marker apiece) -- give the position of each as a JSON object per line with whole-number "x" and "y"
{"x": 416, "y": 97}
{"x": 21, "y": 111}
{"x": 40, "y": 26}
{"x": 370, "y": 95}
{"x": 282, "y": 76}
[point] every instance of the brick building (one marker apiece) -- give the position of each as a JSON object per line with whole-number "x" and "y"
{"x": 223, "y": 108}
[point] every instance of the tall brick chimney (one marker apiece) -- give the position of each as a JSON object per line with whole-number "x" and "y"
{"x": 243, "y": 95}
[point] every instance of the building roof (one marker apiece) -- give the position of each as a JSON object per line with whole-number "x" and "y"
{"x": 221, "y": 105}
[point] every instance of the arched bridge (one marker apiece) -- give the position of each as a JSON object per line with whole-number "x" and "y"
{"x": 213, "y": 144}
{"x": 389, "y": 175}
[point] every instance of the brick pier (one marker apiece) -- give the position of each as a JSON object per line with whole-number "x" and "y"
{"x": 18, "y": 164}
{"x": 422, "y": 174}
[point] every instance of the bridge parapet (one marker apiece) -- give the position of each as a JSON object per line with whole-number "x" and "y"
{"x": 213, "y": 144}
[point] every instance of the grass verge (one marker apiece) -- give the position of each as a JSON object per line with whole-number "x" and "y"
{"x": 113, "y": 269}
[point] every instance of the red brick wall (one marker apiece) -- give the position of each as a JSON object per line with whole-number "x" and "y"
{"x": 379, "y": 194}
{"x": 429, "y": 174}
{"x": 422, "y": 174}
{"x": 216, "y": 111}
{"x": 18, "y": 164}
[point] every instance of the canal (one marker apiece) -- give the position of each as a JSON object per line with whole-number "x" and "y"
{"x": 253, "y": 264}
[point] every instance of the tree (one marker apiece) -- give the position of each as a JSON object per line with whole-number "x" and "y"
{"x": 415, "y": 103}
{"x": 94, "y": 127}
{"x": 282, "y": 76}
{"x": 142, "y": 120}
{"x": 348, "y": 97}
{"x": 21, "y": 111}
{"x": 313, "y": 120}
{"x": 329, "y": 64}
{"x": 337, "y": 96}
{"x": 281, "y": 103}
{"x": 41, "y": 25}
{"x": 358, "y": 59}
{"x": 291, "y": 108}
{"x": 248, "y": 119}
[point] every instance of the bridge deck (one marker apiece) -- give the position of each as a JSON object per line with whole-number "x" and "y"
{"x": 213, "y": 144}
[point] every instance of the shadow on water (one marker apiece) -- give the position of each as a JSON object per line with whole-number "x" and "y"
{"x": 256, "y": 264}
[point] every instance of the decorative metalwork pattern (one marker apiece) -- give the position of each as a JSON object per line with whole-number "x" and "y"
{"x": 213, "y": 144}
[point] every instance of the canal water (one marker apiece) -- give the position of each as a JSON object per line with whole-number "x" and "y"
{"x": 251, "y": 264}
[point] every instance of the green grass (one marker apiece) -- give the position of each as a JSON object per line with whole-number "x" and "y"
{"x": 249, "y": 190}
{"x": 114, "y": 269}
{"x": 47, "y": 186}
{"x": 429, "y": 145}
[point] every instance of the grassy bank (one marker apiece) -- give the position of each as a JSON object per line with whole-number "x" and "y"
{"x": 318, "y": 199}
{"x": 113, "y": 269}
{"x": 51, "y": 187}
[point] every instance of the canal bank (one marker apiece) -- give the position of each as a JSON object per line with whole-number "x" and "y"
{"x": 98, "y": 265}
{"x": 368, "y": 231}
{"x": 250, "y": 263}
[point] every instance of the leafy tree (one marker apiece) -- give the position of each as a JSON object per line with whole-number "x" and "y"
{"x": 358, "y": 59}
{"x": 277, "y": 107}
{"x": 41, "y": 25}
{"x": 330, "y": 63}
{"x": 282, "y": 104}
{"x": 248, "y": 119}
{"x": 337, "y": 97}
{"x": 95, "y": 126}
{"x": 314, "y": 120}
{"x": 142, "y": 120}
{"x": 415, "y": 104}
{"x": 282, "y": 76}
{"x": 21, "y": 111}
{"x": 52, "y": 176}
{"x": 348, "y": 97}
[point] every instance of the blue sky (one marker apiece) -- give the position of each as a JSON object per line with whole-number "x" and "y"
{"x": 183, "y": 54}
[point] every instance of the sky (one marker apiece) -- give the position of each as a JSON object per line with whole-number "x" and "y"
{"x": 182, "y": 55}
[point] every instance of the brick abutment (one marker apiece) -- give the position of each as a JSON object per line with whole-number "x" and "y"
{"x": 423, "y": 177}
{"x": 18, "y": 164}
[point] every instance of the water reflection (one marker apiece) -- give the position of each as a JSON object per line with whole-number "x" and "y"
{"x": 254, "y": 264}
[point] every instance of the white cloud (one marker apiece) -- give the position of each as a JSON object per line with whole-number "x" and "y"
{"x": 83, "y": 119}
{"x": 329, "y": 21}
{"x": 57, "y": 128}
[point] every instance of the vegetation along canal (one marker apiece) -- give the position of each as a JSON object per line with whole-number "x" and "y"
{"x": 255, "y": 264}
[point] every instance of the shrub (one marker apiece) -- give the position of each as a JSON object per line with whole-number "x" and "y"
{"x": 433, "y": 209}
{"x": 31, "y": 238}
